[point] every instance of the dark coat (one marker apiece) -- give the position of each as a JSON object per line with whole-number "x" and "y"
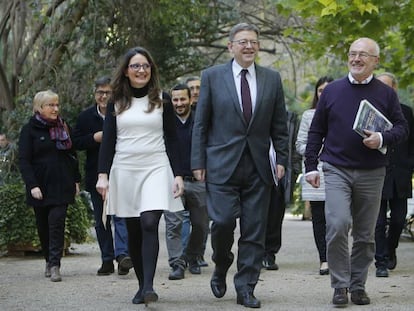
{"x": 89, "y": 122}
{"x": 42, "y": 165}
{"x": 397, "y": 183}
{"x": 294, "y": 164}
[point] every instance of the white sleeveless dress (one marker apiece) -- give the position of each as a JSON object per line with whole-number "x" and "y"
{"x": 141, "y": 178}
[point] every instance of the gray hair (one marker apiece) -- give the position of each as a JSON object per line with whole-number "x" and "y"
{"x": 389, "y": 75}
{"x": 240, "y": 27}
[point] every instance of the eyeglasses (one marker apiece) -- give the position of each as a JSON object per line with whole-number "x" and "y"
{"x": 102, "y": 93}
{"x": 137, "y": 67}
{"x": 52, "y": 106}
{"x": 363, "y": 55}
{"x": 244, "y": 42}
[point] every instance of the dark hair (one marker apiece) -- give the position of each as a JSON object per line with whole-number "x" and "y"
{"x": 102, "y": 81}
{"x": 189, "y": 79}
{"x": 121, "y": 88}
{"x": 240, "y": 27}
{"x": 179, "y": 87}
{"x": 321, "y": 81}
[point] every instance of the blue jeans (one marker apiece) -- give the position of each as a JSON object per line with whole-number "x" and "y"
{"x": 104, "y": 235}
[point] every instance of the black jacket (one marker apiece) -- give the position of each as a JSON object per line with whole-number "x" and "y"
{"x": 42, "y": 165}
{"x": 397, "y": 183}
{"x": 88, "y": 123}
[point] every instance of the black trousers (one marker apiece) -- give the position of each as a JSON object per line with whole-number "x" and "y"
{"x": 50, "y": 222}
{"x": 319, "y": 227}
{"x": 387, "y": 242}
{"x": 275, "y": 217}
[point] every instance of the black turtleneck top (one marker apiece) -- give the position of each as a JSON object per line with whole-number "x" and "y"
{"x": 107, "y": 149}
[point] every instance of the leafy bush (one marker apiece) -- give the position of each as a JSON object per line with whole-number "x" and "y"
{"x": 18, "y": 224}
{"x": 298, "y": 206}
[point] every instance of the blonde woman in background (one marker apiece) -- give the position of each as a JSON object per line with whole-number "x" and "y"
{"x": 50, "y": 171}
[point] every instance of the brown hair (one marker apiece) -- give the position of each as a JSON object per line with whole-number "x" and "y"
{"x": 122, "y": 92}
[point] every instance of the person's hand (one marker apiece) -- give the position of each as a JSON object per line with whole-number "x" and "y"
{"x": 280, "y": 171}
{"x": 77, "y": 185}
{"x": 98, "y": 136}
{"x": 200, "y": 174}
{"x": 102, "y": 185}
{"x": 373, "y": 139}
{"x": 36, "y": 193}
{"x": 314, "y": 179}
{"x": 178, "y": 186}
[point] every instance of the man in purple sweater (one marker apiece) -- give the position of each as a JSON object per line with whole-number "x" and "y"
{"x": 354, "y": 167}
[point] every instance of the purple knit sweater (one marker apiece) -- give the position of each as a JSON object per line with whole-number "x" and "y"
{"x": 333, "y": 120}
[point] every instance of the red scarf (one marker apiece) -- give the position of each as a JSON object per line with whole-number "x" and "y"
{"x": 58, "y": 131}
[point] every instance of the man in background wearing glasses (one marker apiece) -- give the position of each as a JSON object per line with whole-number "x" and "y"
{"x": 354, "y": 167}
{"x": 88, "y": 136}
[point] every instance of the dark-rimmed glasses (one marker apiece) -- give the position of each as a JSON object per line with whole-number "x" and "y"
{"x": 102, "y": 93}
{"x": 137, "y": 67}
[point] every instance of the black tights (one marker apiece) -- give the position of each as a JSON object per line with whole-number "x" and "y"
{"x": 144, "y": 245}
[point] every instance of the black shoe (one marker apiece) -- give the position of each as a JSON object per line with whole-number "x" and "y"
{"x": 194, "y": 268}
{"x": 150, "y": 296}
{"x": 201, "y": 262}
{"x": 270, "y": 264}
{"x": 218, "y": 279}
{"x": 248, "y": 300}
{"x": 177, "y": 273}
{"x": 138, "y": 298}
{"x": 340, "y": 297}
{"x": 124, "y": 264}
{"x": 324, "y": 270}
{"x": 218, "y": 283}
{"x": 392, "y": 260}
{"x": 359, "y": 297}
{"x": 381, "y": 272}
{"x": 106, "y": 269}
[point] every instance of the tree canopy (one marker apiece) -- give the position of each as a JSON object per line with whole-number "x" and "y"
{"x": 65, "y": 44}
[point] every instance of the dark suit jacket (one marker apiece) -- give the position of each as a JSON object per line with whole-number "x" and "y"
{"x": 220, "y": 132}
{"x": 89, "y": 122}
{"x": 397, "y": 183}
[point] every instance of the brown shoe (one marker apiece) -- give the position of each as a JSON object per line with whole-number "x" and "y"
{"x": 340, "y": 297}
{"x": 55, "y": 274}
{"x": 359, "y": 297}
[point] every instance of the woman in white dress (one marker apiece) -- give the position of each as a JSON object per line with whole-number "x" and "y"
{"x": 139, "y": 170}
{"x": 315, "y": 196}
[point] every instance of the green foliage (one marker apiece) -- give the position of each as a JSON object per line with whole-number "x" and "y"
{"x": 78, "y": 221}
{"x": 298, "y": 206}
{"x": 17, "y": 220}
{"x": 330, "y": 26}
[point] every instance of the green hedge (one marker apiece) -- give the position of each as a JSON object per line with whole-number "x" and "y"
{"x": 17, "y": 220}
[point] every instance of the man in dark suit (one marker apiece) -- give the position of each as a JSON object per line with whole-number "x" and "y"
{"x": 235, "y": 121}
{"x": 397, "y": 188}
{"x": 88, "y": 136}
